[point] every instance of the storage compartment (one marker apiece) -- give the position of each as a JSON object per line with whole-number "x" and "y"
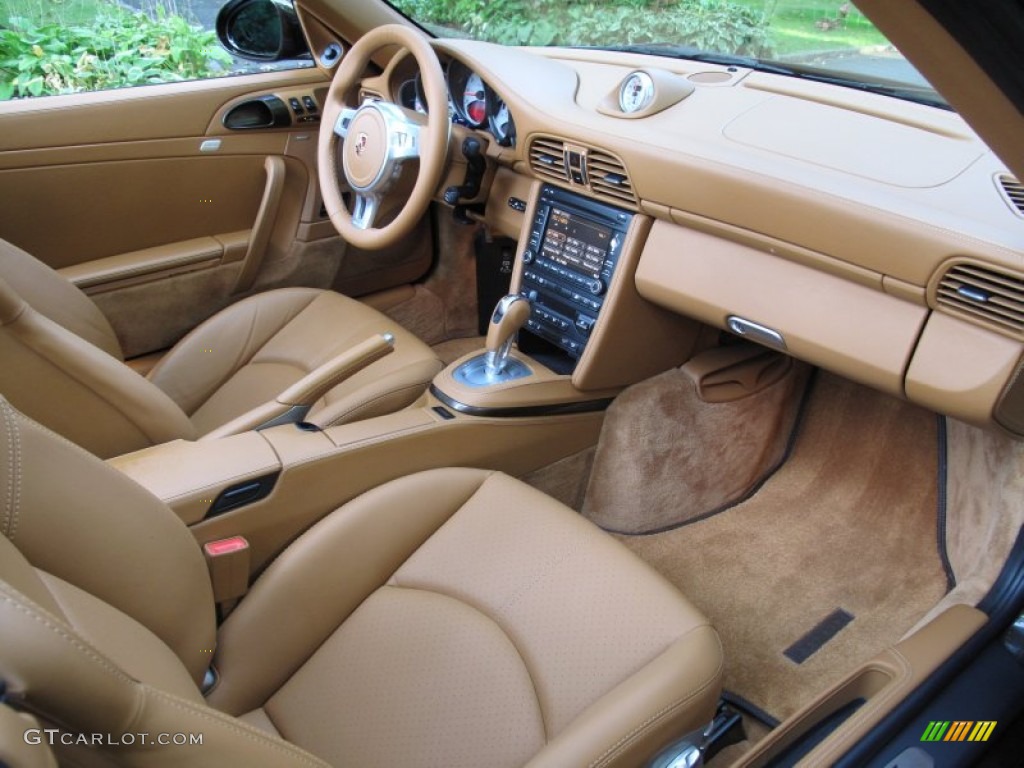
{"x": 857, "y": 331}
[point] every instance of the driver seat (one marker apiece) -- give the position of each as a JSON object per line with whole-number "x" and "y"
{"x": 64, "y": 367}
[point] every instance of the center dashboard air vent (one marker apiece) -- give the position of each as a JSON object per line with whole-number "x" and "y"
{"x": 608, "y": 177}
{"x": 1013, "y": 192}
{"x": 583, "y": 168}
{"x": 547, "y": 159}
{"x": 991, "y": 297}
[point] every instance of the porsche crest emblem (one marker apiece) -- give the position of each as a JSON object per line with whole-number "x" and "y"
{"x": 361, "y": 141}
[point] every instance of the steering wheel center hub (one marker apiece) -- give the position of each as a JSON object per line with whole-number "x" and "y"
{"x": 365, "y": 152}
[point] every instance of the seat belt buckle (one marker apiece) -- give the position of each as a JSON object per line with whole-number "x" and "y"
{"x": 228, "y": 561}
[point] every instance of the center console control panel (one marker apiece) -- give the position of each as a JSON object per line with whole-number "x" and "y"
{"x": 568, "y": 264}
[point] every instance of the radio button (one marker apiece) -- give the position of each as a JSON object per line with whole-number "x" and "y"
{"x": 596, "y": 286}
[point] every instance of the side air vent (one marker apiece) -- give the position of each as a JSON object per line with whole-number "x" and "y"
{"x": 547, "y": 159}
{"x": 608, "y": 178}
{"x": 1013, "y": 192}
{"x": 992, "y": 297}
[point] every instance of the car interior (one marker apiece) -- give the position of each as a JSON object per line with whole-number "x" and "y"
{"x": 636, "y": 411}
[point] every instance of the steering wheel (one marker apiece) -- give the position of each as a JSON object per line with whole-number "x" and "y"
{"x": 378, "y": 139}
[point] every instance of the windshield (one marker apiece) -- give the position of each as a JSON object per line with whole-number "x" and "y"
{"x": 816, "y": 39}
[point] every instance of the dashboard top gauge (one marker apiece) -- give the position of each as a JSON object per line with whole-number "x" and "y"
{"x": 636, "y": 92}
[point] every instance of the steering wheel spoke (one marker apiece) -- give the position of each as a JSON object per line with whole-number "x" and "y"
{"x": 405, "y": 141}
{"x": 344, "y": 121}
{"x": 364, "y": 210}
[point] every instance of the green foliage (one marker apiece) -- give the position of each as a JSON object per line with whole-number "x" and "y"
{"x": 117, "y": 48}
{"x": 717, "y": 25}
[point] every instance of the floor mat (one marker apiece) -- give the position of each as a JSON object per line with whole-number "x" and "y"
{"x": 846, "y": 528}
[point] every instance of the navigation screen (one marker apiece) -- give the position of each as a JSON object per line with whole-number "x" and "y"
{"x": 576, "y": 243}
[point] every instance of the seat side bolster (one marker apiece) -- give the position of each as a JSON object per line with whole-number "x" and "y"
{"x": 81, "y": 392}
{"x": 199, "y": 364}
{"x": 681, "y": 687}
{"x": 78, "y": 519}
{"x": 67, "y": 680}
{"x": 312, "y": 588}
{"x": 57, "y": 298}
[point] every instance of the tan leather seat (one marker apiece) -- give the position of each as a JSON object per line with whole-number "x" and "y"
{"x": 63, "y": 365}
{"x": 454, "y": 617}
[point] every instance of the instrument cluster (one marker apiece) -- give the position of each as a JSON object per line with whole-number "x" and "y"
{"x": 471, "y": 102}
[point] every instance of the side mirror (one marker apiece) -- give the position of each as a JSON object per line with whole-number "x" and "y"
{"x": 261, "y": 30}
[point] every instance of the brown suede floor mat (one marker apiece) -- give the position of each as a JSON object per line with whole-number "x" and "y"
{"x": 847, "y": 524}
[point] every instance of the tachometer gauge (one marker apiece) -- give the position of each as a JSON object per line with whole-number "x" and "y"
{"x": 636, "y": 92}
{"x": 474, "y": 101}
{"x": 501, "y": 124}
{"x": 468, "y": 94}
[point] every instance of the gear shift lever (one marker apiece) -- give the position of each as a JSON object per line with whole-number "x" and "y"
{"x": 509, "y": 316}
{"x": 496, "y": 366}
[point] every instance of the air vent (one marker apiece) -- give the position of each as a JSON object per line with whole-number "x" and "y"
{"x": 993, "y": 297}
{"x": 1013, "y": 192}
{"x": 608, "y": 178}
{"x": 547, "y": 159}
{"x": 600, "y": 172}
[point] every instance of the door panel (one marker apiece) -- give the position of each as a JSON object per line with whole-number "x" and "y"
{"x": 68, "y": 214}
{"x": 146, "y": 200}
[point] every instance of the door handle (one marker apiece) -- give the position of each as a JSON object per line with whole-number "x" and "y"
{"x": 266, "y": 216}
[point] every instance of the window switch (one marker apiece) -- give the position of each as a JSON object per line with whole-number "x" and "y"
{"x": 309, "y": 103}
{"x": 296, "y": 106}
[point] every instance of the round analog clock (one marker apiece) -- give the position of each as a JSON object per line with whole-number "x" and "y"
{"x": 636, "y": 92}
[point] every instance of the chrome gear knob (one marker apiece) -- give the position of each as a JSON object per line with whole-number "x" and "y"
{"x": 510, "y": 314}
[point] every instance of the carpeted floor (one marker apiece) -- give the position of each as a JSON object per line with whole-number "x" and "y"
{"x": 847, "y": 524}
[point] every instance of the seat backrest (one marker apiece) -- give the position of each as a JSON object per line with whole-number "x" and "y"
{"x": 60, "y": 362}
{"x": 106, "y": 611}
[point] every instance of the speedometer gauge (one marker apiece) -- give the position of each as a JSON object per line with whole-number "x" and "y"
{"x": 636, "y": 92}
{"x": 474, "y": 101}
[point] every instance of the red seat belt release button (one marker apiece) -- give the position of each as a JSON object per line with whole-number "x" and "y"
{"x": 228, "y": 560}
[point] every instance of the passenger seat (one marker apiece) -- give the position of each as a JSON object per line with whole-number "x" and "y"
{"x": 453, "y": 617}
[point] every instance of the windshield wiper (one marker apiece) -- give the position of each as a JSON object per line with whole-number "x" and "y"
{"x": 671, "y": 50}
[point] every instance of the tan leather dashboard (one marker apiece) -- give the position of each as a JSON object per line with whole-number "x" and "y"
{"x": 844, "y": 220}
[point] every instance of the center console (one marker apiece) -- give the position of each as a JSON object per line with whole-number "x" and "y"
{"x": 573, "y": 249}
